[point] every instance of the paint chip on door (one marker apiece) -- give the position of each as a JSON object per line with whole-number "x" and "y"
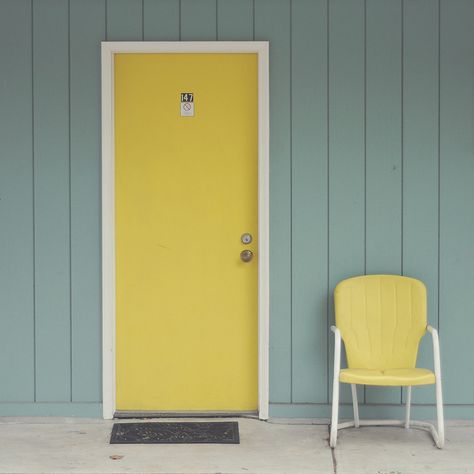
{"x": 187, "y": 104}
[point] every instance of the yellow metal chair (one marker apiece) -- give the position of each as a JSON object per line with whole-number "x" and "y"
{"x": 381, "y": 319}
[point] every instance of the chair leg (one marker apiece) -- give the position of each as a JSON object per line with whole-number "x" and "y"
{"x": 439, "y": 436}
{"x": 355, "y": 404}
{"x": 408, "y": 406}
{"x": 439, "y": 413}
{"x": 335, "y": 414}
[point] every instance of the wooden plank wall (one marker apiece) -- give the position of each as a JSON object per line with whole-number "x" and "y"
{"x": 372, "y": 165}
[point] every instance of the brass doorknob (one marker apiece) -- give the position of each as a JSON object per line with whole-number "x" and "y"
{"x": 246, "y": 255}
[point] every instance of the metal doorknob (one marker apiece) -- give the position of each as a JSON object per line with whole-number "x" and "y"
{"x": 246, "y": 255}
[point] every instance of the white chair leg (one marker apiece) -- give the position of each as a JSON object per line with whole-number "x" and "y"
{"x": 335, "y": 387}
{"x": 439, "y": 392}
{"x": 439, "y": 413}
{"x": 335, "y": 413}
{"x": 355, "y": 404}
{"x": 408, "y": 406}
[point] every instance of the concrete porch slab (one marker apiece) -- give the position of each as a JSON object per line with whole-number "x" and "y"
{"x": 66, "y": 445}
{"x": 60, "y": 446}
{"x": 394, "y": 450}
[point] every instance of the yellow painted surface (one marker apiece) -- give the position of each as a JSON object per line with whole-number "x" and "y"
{"x": 186, "y": 189}
{"x": 382, "y": 319}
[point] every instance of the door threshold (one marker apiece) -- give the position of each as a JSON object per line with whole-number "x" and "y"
{"x": 123, "y": 414}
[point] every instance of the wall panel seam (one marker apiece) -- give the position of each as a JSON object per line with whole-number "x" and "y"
{"x": 439, "y": 163}
{"x": 402, "y": 69}
{"x": 291, "y": 197}
{"x": 365, "y": 140}
{"x": 70, "y": 197}
{"x": 105, "y": 17}
{"x": 253, "y": 20}
{"x": 365, "y": 153}
{"x": 328, "y": 322}
{"x": 33, "y": 196}
{"x": 402, "y": 75}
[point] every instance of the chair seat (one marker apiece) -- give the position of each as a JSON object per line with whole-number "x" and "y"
{"x": 390, "y": 377}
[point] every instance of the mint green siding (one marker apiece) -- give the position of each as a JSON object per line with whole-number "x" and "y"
{"x": 86, "y": 30}
{"x": 372, "y": 170}
{"x": 272, "y": 23}
{"x": 456, "y": 193}
{"x": 52, "y": 275}
{"x": 420, "y": 160}
{"x": 383, "y": 149}
{"x": 346, "y": 154}
{"x": 309, "y": 205}
{"x": 17, "y": 260}
{"x": 162, "y": 20}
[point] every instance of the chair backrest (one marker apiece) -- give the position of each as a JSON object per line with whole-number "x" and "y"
{"x": 382, "y": 319}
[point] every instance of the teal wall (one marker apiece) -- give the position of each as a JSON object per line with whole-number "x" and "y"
{"x": 372, "y": 170}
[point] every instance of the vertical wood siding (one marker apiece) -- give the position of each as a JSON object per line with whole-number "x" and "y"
{"x": 372, "y": 170}
{"x": 87, "y": 27}
{"x": 309, "y": 200}
{"x": 346, "y": 132}
{"x": 456, "y": 193}
{"x": 383, "y": 143}
{"x": 272, "y": 23}
{"x": 421, "y": 160}
{"x": 17, "y": 233}
{"x": 52, "y": 251}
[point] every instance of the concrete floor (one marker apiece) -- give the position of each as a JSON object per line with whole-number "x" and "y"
{"x": 60, "y": 446}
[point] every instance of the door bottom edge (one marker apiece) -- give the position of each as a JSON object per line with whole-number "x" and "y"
{"x": 127, "y": 414}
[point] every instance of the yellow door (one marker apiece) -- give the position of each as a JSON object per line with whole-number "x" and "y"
{"x": 186, "y": 191}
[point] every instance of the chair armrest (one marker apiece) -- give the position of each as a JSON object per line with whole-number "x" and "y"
{"x": 337, "y": 351}
{"x": 436, "y": 352}
{"x": 431, "y": 329}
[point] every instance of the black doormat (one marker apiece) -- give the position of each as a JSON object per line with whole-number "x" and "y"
{"x": 220, "y": 432}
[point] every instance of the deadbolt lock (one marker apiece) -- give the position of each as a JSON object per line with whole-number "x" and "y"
{"x": 246, "y": 238}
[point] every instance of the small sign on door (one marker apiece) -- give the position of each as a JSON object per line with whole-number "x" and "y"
{"x": 187, "y": 104}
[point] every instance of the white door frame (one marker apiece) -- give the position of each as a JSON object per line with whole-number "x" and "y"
{"x": 109, "y": 49}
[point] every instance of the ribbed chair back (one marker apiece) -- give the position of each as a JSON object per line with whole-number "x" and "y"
{"x": 382, "y": 319}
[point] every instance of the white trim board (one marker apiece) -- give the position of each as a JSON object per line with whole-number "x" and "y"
{"x": 109, "y": 49}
